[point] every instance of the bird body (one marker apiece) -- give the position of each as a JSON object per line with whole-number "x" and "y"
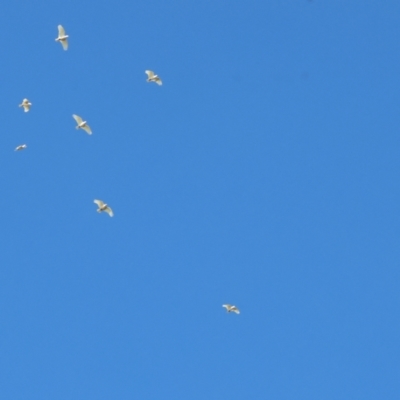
{"x": 104, "y": 207}
{"x": 152, "y": 77}
{"x": 21, "y": 147}
{"x": 230, "y": 308}
{"x": 82, "y": 124}
{"x": 25, "y": 104}
{"x": 62, "y": 37}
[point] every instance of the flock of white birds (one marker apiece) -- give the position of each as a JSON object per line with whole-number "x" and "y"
{"x": 82, "y": 124}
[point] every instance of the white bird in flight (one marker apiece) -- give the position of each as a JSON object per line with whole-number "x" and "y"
{"x": 82, "y": 124}
{"x": 62, "y": 37}
{"x": 104, "y": 207}
{"x": 152, "y": 77}
{"x": 21, "y": 147}
{"x": 230, "y": 308}
{"x": 25, "y": 104}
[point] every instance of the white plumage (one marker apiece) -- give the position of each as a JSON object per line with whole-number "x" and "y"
{"x": 82, "y": 124}
{"x": 25, "y": 104}
{"x": 62, "y": 37}
{"x": 104, "y": 207}
{"x": 230, "y": 308}
{"x": 152, "y": 77}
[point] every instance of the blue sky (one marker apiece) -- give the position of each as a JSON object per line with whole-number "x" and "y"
{"x": 263, "y": 173}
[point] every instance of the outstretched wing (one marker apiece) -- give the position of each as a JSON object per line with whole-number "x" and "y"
{"x": 150, "y": 74}
{"x": 61, "y": 31}
{"x": 109, "y": 211}
{"x": 235, "y": 310}
{"x": 87, "y": 129}
{"x": 77, "y": 118}
{"x": 64, "y": 44}
{"x": 227, "y": 306}
{"x": 158, "y": 81}
{"x": 99, "y": 203}
{"x": 25, "y": 102}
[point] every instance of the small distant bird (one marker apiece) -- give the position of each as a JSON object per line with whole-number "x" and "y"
{"x": 21, "y": 147}
{"x": 152, "y": 77}
{"x": 26, "y": 104}
{"x": 82, "y": 124}
{"x": 230, "y": 308}
{"x": 103, "y": 207}
{"x": 62, "y": 37}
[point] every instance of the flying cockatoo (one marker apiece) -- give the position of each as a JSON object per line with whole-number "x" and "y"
{"x": 230, "y": 308}
{"x": 26, "y": 104}
{"x": 82, "y": 124}
{"x": 62, "y": 37}
{"x": 104, "y": 207}
{"x": 151, "y": 77}
{"x": 21, "y": 147}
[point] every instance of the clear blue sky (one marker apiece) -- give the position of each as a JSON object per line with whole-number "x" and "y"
{"x": 265, "y": 173}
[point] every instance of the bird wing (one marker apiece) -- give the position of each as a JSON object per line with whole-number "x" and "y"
{"x": 87, "y": 129}
{"x": 158, "y": 81}
{"x": 235, "y": 310}
{"x": 61, "y": 31}
{"x": 227, "y": 306}
{"x": 99, "y": 203}
{"x": 77, "y": 118}
{"x": 26, "y": 107}
{"x": 64, "y": 44}
{"x": 150, "y": 74}
{"x": 109, "y": 211}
